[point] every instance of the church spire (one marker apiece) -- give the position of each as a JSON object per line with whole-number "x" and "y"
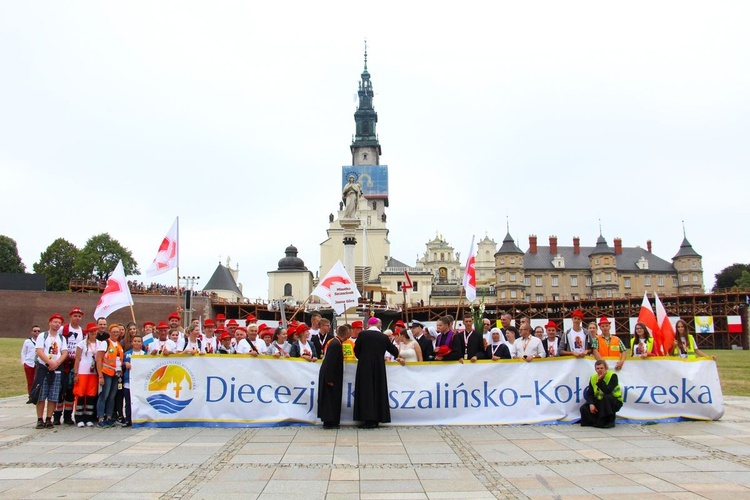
{"x": 365, "y": 147}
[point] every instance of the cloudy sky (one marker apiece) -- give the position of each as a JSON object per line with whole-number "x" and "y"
{"x": 237, "y": 116}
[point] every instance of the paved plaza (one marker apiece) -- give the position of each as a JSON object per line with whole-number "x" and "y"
{"x": 681, "y": 460}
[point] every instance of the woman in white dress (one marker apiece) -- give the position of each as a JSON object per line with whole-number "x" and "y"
{"x": 409, "y": 349}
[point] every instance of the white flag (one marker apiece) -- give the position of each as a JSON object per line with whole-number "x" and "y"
{"x": 470, "y": 275}
{"x": 337, "y": 274}
{"x": 116, "y": 294}
{"x": 167, "y": 256}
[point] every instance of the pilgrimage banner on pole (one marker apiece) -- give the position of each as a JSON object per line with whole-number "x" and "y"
{"x": 231, "y": 391}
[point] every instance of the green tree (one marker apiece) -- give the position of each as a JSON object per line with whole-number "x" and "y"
{"x": 10, "y": 261}
{"x": 743, "y": 281}
{"x": 99, "y": 257}
{"x": 727, "y": 277}
{"x": 58, "y": 264}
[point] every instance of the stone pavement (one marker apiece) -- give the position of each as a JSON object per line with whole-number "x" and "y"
{"x": 682, "y": 460}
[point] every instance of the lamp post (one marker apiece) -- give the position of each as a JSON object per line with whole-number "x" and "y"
{"x": 190, "y": 282}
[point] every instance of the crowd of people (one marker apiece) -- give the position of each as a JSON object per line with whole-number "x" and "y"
{"x": 79, "y": 374}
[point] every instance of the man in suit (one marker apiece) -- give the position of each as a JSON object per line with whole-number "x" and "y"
{"x": 472, "y": 343}
{"x": 428, "y": 351}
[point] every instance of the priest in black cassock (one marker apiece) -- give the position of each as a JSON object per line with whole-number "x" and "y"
{"x": 331, "y": 380}
{"x": 371, "y": 383}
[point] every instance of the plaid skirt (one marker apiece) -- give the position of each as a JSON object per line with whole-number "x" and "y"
{"x": 51, "y": 390}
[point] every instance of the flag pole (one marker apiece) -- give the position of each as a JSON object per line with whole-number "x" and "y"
{"x": 178, "y": 265}
{"x": 132, "y": 313}
{"x": 406, "y": 306}
{"x": 300, "y": 308}
{"x": 458, "y": 310}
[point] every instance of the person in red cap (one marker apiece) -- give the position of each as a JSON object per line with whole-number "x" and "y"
{"x": 267, "y": 337}
{"x": 174, "y": 323}
{"x": 210, "y": 341}
{"x": 302, "y": 348}
{"x": 159, "y": 344}
{"x": 85, "y": 380}
{"x": 73, "y": 333}
{"x": 51, "y": 351}
{"x": 357, "y": 327}
{"x": 250, "y": 318}
{"x": 221, "y": 321}
{"x": 575, "y": 341}
{"x": 231, "y": 327}
{"x": 550, "y": 343}
{"x": 607, "y": 345}
{"x": 225, "y": 342}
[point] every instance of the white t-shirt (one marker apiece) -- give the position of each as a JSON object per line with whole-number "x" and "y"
{"x": 209, "y": 344}
{"x": 553, "y": 347}
{"x": 576, "y": 341}
{"x": 529, "y": 347}
{"x": 171, "y": 346}
{"x": 191, "y": 347}
{"x": 243, "y": 347}
{"x": 76, "y": 336}
{"x": 87, "y": 355}
{"x": 53, "y": 346}
{"x": 156, "y": 346}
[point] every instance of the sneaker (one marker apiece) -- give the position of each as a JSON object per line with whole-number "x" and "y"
{"x": 79, "y": 424}
{"x": 127, "y": 424}
{"x": 39, "y": 424}
{"x": 103, "y": 424}
{"x": 121, "y": 422}
{"x": 49, "y": 425}
{"x": 68, "y": 422}
{"x": 89, "y": 423}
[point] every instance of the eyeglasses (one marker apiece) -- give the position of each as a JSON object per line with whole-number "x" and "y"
{"x": 36, "y": 331}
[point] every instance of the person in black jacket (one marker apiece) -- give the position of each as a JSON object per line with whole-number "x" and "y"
{"x": 448, "y": 346}
{"x": 497, "y": 349}
{"x": 428, "y": 351}
{"x": 331, "y": 380}
{"x": 472, "y": 342}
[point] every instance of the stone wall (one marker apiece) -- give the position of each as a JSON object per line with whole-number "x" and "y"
{"x": 20, "y": 310}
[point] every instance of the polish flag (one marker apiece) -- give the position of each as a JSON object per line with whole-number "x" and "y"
{"x": 734, "y": 324}
{"x": 337, "y": 274}
{"x": 648, "y": 318}
{"x": 665, "y": 326}
{"x": 116, "y": 294}
{"x": 407, "y": 281}
{"x": 470, "y": 274}
{"x": 168, "y": 254}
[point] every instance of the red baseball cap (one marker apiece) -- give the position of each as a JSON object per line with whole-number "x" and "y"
{"x": 56, "y": 316}
{"x": 76, "y": 310}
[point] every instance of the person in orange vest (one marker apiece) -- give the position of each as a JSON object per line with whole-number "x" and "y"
{"x": 109, "y": 362}
{"x": 607, "y": 345}
{"x": 603, "y": 398}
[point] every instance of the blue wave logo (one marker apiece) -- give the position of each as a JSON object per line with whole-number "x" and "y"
{"x": 164, "y": 404}
{"x": 171, "y": 386}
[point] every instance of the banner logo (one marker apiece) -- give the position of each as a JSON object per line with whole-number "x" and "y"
{"x": 170, "y": 388}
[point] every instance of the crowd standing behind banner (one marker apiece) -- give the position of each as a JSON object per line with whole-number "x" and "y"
{"x": 80, "y": 376}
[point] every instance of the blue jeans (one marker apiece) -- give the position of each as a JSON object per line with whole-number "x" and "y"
{"x": 107, "y": 397}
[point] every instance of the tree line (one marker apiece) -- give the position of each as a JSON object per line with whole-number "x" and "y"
{"x": 62, "y": 261}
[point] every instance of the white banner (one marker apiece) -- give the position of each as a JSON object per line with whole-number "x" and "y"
{"x": 217, "y": 391}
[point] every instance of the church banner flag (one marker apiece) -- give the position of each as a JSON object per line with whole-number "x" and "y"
{"x": 168, "y": 254}
{"x": 337, "y": 274}
{"x": 470, "y": 274}
{"x": 116, "y": 294}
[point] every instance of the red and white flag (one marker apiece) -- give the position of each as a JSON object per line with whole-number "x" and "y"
{"x": 168, "y": 254}
{"x": 116, "y": 294}
{"x": 734, "y": 324}
{"x": 648, "y": 318}
{"x": 407, "y": 281}
{"x": 337, "y": 274}
{"x": 470, "y": 274}
{"x": 665, "y": 327}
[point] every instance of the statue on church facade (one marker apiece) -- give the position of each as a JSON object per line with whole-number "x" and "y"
{"x": 350, "y": 195}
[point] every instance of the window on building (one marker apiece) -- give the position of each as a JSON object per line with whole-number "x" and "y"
{"x": 555, "y": 297}
{"x": 528, "y": 297}
{"x": 588, "y": 280}
{"x": 554, "y": 281}
{"x": 502, "y": 277}
{"x": 675, "y": 282}
{"x": 527, "y": 281}
{"x": 574, "y": 281}
{"x": 596, "y": 261}
{"x": 661, "y": 280}
{"x": 512, "y": 276}
{"x": 502, "y": 261}
{"x": 538, "y": 281}
{"x": 627, "y": 282}
{"x": 598, "y": 294}
{"x": 695, "y": 278}
{"x": 415, "y": 285}
{"x": 609, "y": 293}
{"x": 539, "y": 297}
{"x": 576, "y": 296}
{"x": 685, "y": 278}
{"x": 647, "y": 280}
{"x": 598, "y": 277}
{"x": 608, "y": 277}
{"x": 502, "y": 294}
{"x": 513, "y": 294}
{"x": 288, "y": 290}
{"x": 512, "y": 260}
{"x": 694, "y": 264}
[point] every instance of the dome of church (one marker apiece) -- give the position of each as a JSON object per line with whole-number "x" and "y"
{"x": 291, "y": 261}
